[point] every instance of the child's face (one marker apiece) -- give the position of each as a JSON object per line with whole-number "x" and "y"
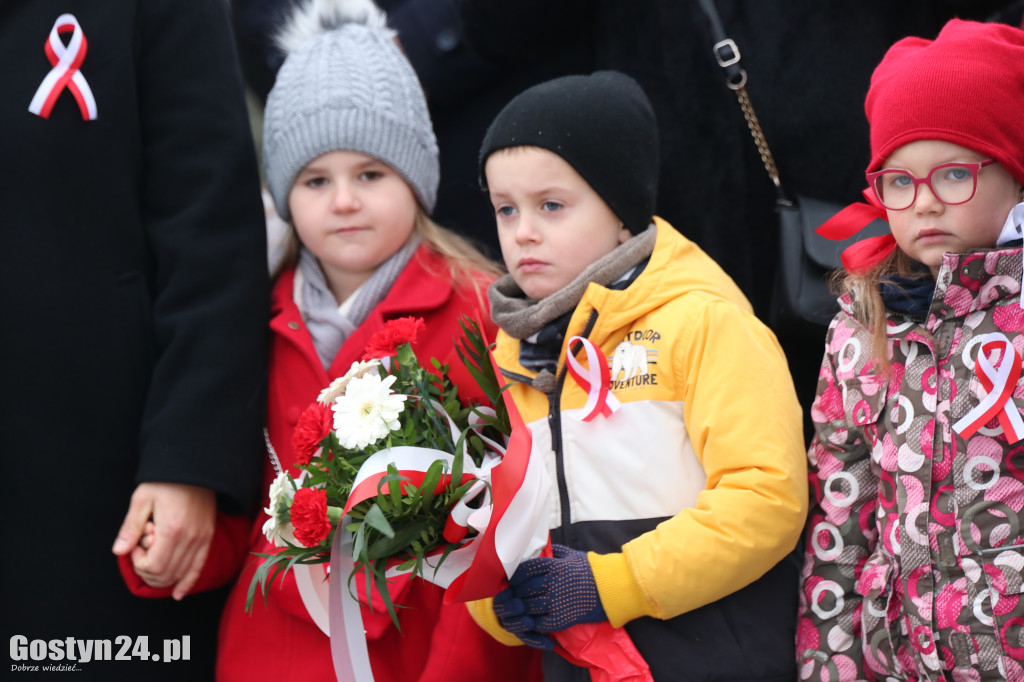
{"x": 929, "y": 228}
{"x": 352, "y": 212}
{"x": 551, "y": 223}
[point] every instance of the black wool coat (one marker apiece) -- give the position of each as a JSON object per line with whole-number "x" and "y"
{"x": 135, "y": 294}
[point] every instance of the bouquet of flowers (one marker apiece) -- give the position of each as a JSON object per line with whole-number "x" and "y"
{"x": 398, "y": 476}
{"x": 389, "y": 448}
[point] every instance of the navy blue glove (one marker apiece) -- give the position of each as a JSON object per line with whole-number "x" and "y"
{"x": 511, "y": 613}
{"x": 549, "y": 594}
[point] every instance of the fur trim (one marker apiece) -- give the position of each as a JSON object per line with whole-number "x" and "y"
{"x": 313, "y": 17}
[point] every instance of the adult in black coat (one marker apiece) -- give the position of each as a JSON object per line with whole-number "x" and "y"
{"x": 809, "y": 64}
{"x": 132, "y": 365}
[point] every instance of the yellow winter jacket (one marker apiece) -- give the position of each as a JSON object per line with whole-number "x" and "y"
{"x": 705, "y": 457}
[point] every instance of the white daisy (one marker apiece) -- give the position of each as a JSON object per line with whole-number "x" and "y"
{"x": 367, "y": 411}
{"x": 337, "y": 387}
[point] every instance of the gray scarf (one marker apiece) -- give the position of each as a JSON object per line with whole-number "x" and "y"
{"x": 521, "y": 317}
{"x": 321, "y": 312}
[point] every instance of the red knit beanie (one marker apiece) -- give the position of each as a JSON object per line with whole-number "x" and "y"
{"x": 964, "y": 87}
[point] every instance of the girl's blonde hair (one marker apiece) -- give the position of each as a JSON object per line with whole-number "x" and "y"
{"x": 466, "y": 263}
{"x": 464, "y": 259}
{"x": 868, "y": 306}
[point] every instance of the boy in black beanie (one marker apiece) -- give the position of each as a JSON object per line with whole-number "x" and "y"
{"x": 662, "y": 408}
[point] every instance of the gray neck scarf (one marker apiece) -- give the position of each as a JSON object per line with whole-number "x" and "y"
{"x": 521, "y": 317}
{"x": 320, "y": 310}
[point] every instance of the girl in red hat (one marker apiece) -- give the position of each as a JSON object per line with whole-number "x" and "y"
{"x": 914, "y": 564}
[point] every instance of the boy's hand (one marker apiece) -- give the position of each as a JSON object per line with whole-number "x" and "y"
{"x": 549, "y": 594}
{"x": 511, "y": 613}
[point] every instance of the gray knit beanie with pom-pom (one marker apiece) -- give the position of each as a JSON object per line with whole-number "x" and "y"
{"x": 345, "y": 85}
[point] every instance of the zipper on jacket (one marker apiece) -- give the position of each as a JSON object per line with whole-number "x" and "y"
{"x": 516, "y": 377}
{"x": 566, "y": 535}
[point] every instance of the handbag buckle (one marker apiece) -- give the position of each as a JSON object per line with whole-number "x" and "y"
{"x": 726, "y": 52}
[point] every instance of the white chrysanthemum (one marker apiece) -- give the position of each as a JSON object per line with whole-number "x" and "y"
{"x": 279, "y": 526}
{"x": 337, "y": 387}
{"x": 367, "y": 411}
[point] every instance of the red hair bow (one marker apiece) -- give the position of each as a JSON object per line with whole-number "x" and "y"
{"x": 865, "y": 254}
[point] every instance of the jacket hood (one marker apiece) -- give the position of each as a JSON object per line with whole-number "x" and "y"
{"x": 677, "y": 267}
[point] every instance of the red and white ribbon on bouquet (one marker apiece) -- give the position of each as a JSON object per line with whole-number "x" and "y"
{"x": 462, "y": 516}
{"x": 999, "y": 382}
{"x": 412, "y": 464}
{"x": 327, "y": 602}
{"x": 340, "y": 616}
{"x": 66, "y": 62}
{"x": 594, "y": 379}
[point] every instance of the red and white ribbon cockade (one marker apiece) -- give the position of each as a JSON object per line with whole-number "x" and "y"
{"x": 999, "y": 381}
{"x": 595, "y": 379}
{"x": 66, "y": 62}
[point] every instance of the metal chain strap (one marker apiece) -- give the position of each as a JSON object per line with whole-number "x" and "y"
{"x": 727, "y": 54}
{"x": 755, "y": 131}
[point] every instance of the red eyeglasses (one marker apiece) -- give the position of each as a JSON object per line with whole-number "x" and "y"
{"x": 951, "y": 183}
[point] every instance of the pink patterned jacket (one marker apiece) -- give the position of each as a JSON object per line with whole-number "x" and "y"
{"x": 914, "y": 566}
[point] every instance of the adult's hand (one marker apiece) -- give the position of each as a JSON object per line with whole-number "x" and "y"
{"x": 182, "y": 519}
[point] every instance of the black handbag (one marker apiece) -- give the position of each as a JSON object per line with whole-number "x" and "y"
{"x": 806, "y": 260}
{"x": 801, "y": 292}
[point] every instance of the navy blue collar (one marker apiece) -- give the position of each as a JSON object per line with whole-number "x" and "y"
{"x": 908, "y": 295}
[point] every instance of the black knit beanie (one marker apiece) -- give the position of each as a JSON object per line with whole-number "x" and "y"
{"x": 602, "y": 125}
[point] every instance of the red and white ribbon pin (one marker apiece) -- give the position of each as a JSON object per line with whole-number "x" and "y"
{"x": 595, "y": 379}
{"x": 66, "y": 62}
{"x": 999, "y": 382}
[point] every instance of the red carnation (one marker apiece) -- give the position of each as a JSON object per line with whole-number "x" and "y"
{"x": 309, "y": 516}
{"x": 385, "y": 343}
{"x": 313, "y": 426}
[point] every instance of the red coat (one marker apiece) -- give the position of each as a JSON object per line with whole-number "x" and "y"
{"x": 277, "y": 640}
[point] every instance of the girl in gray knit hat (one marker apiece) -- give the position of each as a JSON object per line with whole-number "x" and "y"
{"x": 352, "y": 163}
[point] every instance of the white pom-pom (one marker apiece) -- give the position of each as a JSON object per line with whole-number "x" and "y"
{"x": 314, "y": 17}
